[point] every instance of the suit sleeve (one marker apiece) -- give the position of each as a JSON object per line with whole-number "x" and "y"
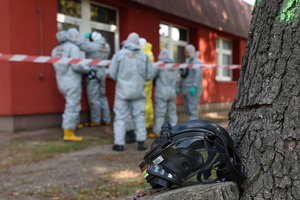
{"x": 113, "y": 67}
{"x": 197, "y": 74}
{"x": 150, "y": 69}
{"x": 75, "y": 53}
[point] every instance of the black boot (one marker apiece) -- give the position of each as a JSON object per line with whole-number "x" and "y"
{"x": 130, "y": 137}
{"x": 141, "y": 146}
{"x": 118, "y": 147}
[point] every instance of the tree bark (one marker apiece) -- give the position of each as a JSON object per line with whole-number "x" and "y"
{"x": 265, "y": 116}
{"x": 191, "y": 190}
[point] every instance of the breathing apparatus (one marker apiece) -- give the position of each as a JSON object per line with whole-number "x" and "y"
{"x": 194, "y": 148}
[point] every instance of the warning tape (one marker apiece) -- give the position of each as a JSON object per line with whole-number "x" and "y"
{"x": 48, "y": 59}
{"x": 194, "y": 66}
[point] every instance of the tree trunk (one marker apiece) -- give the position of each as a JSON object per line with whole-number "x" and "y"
{"x": 264, "y": 118}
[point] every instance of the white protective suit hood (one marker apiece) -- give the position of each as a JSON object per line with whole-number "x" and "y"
{"x": 133, "y": 38}
{"x": 142, "y": 42}
{"x": 193, "y": 53}
{"x": 74, "y": 34}
{"x": 63, "y": 36}
{"x": 191, "y": 49}
{"x": 101, "y": 41}
{"x": 164, "y": 56}
{"x": 132, "y": 47}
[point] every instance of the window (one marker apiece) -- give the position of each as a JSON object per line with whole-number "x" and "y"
{"x": 174, "y": 39}
{"x": 224, "y": 57}
{"x": 87, "y": 17}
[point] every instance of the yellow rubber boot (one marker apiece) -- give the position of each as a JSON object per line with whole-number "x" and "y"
{"x": 153, "y": 135}
{"x": 106, "y": 123}
{"x": 69, "y": 135}
{"x": 92, "y": 124}
{"x": 79, "y": 126}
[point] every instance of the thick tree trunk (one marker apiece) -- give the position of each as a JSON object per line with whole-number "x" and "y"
{"x": 264, "y": 119}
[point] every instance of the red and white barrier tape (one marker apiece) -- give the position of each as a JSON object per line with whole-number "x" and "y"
{"x": 48, "y": 59}
{"x": 195, "y": 66}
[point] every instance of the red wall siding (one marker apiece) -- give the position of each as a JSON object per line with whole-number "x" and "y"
{"x": 5, "y": 75}
{"x": 30, "y": 93}
{"x": 214, "y": 91}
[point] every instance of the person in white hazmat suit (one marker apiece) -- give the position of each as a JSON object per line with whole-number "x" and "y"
{"x": 191, "y": 83}
{"x": 164, "y": 95}
{"x": 131, "y": 69}
{"x": 96, "y": 48}
{"x": 69, "y": 83}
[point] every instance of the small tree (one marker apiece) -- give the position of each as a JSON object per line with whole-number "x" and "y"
{"x": 264, "y": 118}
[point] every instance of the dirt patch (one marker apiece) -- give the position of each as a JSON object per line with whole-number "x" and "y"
{"x": 94, "y": 172}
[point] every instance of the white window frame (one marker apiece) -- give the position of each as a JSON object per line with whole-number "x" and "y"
{"x": 220, "y": 52}
{"x": 169, "y": 40}
{"x": 86, "y": 24}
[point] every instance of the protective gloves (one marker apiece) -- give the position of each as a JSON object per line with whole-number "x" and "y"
{"x": 177, "y": 91}
{"x": 193, "y": 91}
{"x": 88, "y": 35}
{"x": 92, "y": 74}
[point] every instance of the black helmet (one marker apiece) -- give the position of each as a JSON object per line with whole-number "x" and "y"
{"x": 193, "y": 147}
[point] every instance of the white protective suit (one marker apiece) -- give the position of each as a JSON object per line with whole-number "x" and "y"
{"x": 191, "y": 78}
{"x": 165, "y": 96}
{"x": 69, "y": 79}
{"x": 95, "y": 88}
{"x": 131, "y": 69}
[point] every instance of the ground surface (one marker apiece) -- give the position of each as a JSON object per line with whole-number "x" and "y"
{"x": 38, "y": 165}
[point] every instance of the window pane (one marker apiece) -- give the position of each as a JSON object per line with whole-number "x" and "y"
{"x": 226, "y": 59}
{"x": 226, "y": 45}
{"x": 104, "y": 15}
{"x": 70, "y": 7}
{"x": 182, "y": 34}
{"x": 179, "y": 34}
{"x": 226, "y": 72}
{"x": 175, "y": 33}
{"x": 164, "y": 30}
{"x": 110, "y": 39}
{"x": 163, "y": 45}
{"x": 66, "y": 26}
{"x": 178, "y": 54}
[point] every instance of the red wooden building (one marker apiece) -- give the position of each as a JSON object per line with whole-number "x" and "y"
{"x": 29, "y": 98}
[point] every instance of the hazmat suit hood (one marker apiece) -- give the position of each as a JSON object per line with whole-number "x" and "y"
{"x": 148, "y": 50}
{"x": 132, "y": 47}
{"x": 132, "y": 42}
{"x": 148, "y": 47}
{"x": 143, "y": 43}
{"x": 192, "y": 51}
{"x": 63, "y": 36}
{"x": 133, "y": 38}
{"x": 164, "y": 56}
{"x": 74, "y": 35}
{"x": 101, "y": 41}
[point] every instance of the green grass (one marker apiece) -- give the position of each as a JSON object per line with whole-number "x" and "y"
{"x": 107, "y": 190}
{"x": 24, "y": 153}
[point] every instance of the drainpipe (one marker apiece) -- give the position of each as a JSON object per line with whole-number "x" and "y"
{"x": 41, "y": 38}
